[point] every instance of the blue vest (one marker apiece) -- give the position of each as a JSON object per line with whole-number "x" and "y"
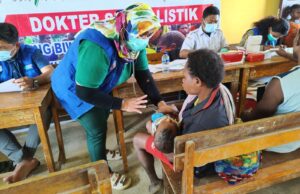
{"x": 63, "y": 79}
{"x": 21, "y": 65}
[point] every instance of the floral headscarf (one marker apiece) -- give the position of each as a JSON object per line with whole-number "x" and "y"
{"x": 135, "y": 19}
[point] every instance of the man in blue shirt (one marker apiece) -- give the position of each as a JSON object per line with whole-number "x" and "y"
{"x": 28, "y": 68}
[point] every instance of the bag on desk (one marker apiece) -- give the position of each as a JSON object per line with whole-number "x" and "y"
{"x": 231, "y": 57}
{"x": 255, "y": 57}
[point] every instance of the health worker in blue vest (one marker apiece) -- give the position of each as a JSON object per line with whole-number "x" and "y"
{"x": 28, "y": 68}
{"x": 103, "y": 56}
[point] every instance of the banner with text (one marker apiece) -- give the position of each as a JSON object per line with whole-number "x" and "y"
{"x": 51, "y": 24}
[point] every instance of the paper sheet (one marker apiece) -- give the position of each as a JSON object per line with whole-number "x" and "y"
{"x": 175, "y": 65}
{"x": 9, "y": 86}
{"x": 270, "y": 53}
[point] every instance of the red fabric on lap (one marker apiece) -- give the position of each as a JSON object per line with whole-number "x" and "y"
{"x": 151, "y": 149}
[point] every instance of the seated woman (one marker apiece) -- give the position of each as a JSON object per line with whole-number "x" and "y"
{"x": 271, "y": 29}
{"x": 281, "y": 96}
{"x": 210, "y": 106}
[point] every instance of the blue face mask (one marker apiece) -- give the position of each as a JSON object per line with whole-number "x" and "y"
{"x": 272, "y": 38}
{"x": 297, "y": 21}
{"x": 209, "y": 28}
{"x": 136, "y": 44}
{"x": 5, "y": 55}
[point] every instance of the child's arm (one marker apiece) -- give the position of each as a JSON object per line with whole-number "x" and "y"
{"x": 149, "y": 127}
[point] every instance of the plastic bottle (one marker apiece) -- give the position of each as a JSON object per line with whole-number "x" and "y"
{"x": 165, "y": 59}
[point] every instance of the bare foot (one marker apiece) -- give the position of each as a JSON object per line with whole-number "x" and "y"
{"x": 22, "y": 170}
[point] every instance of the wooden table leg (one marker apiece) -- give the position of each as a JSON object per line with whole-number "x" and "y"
{"x": 116, "y": 127}
{"x": 234, "y": 87}
{"x": 244, "y": 77}
{"x": 118, "y": 117}
{"x": 60, "y": 141}
{"x": 44, "y": 140}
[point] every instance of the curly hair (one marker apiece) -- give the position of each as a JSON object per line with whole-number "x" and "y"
{"x": 8, "y": 33}
{"x": 164, "y": 140}
{"x": 279, "y": 25}
{"x": 207, "y": 66}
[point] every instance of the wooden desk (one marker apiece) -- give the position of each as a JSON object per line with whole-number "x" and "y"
{"x": 166, "y": 83}
{"x": 251, "y": 71}
{"x": 26, "y": 108}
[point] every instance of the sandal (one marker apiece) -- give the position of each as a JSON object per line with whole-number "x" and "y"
{"x": 119, "y": 181}
{"x": 113, "y": 155}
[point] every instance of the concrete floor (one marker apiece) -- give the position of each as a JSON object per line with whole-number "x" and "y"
{"x": 76, "y": 153}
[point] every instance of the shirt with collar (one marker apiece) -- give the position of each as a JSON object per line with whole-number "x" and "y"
{"x": 198, "y": 39}
{"x": 208, "y": 114}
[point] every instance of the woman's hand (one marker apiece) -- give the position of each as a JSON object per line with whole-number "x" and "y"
{"x": 134, "y": 104}
{"x": 25, "y": 83}
{"x": 296, "y": 46}
{"x": 164, "y": 108}
{"x": 282, "y": 52}
{"x": 296, "y": 39}
{"x": 246, "y": 114}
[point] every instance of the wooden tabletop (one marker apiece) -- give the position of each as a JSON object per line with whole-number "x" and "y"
{"x": 160, "y": 76}
{"x": 22, "y": 100}
{"x": 273, "y": 60}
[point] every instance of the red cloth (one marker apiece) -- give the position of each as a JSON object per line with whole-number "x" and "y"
{"x": 150, "y": 148}
{"x": 250, "y": 103}
{"x": 288, "y": 40}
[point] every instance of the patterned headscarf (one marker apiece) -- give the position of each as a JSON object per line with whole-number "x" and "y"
{"x": 135, "y": 19}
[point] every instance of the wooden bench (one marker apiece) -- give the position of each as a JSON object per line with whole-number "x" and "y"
{"x": 88, "y": 178}
{"x": 208, "y": 146}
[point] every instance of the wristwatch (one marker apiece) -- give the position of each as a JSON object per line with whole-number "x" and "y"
{"x": 35, "y": 83}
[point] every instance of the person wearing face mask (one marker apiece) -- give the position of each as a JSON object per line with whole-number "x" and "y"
{"x": 208, "y": 35}
{"x": 101, "y": 57}
{"x": 29, "y": 68}
{"x": 271, "y": 29}
{"x": 291, "y": 13}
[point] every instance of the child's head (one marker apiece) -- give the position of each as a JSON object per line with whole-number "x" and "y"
{"x": 165, "y": 134}
{"x": 204, "y": 69}
{"x": 295, "y": 12}
{"x": 291, "y": 12}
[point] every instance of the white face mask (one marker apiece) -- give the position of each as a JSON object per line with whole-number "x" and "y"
{"x": 211, "y": 27}
{"x": 5, "y": 55}
{"x": 297, "y": 21}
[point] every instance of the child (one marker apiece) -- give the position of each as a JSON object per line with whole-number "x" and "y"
{"x": 163, "y": 128}
{"x": 292, "y": 14}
